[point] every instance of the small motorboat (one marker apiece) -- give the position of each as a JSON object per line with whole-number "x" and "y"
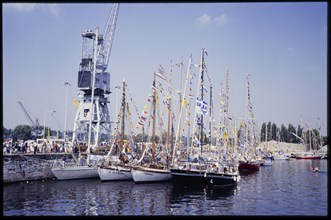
{"x": 315, "y": 169}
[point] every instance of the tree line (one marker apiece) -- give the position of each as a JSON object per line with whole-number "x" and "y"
{"x": 291, "y": 134}
{"x": 269, "y": 131}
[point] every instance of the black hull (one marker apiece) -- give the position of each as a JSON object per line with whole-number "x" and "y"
{"x": 221, "y": 180}
{"x": 188, "y": 177}
{"x": 196, "y": 178}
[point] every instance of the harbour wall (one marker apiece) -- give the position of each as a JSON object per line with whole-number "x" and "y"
{"x": 28, "y": 167}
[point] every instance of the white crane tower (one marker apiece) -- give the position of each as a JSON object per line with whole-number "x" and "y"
{"x": 92, "y": 117}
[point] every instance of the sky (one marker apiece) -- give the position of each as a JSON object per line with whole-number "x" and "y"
{"x": 282, "y": 46}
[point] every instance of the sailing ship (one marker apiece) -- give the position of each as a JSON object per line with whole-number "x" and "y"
{"x": 64, "y": 171}
{"x": 192, "y": 170}
{"x": 152, "y": 165}
{"x": 201, "y": 168}
{"x": 117, "y": 165}
{"x": 249, "y": 163}
{"x": 224, "y": 172}
{"x": 310, "y": 154}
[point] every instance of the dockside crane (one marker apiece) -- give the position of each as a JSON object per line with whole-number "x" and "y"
{"x": 35, "y": 126}
{"x": 94, "y": 83}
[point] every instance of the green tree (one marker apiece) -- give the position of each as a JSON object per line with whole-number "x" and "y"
{"x": 7, "y": 132}
{"x": 23, "y": 132}
{"x": 263, "y": 132}
{"x": 269, "y": 131}
{"x": 299, "y": 133}
{"x": 274, "y": 131}
{"x": 283, "y": 133}
{"x": 290, "y": 137}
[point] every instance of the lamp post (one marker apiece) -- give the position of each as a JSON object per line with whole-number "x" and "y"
{"x": 57, "y": 131}
{"x": 44, "y": 135}
{"x": 66, "y": 84}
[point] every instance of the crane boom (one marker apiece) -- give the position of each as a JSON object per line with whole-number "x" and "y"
{"x": 106, "y": 40}
{"x": 27, "y": 115}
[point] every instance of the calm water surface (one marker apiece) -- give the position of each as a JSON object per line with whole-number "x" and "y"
{"x": 283, "y": 189}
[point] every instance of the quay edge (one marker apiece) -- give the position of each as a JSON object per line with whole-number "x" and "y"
{"x": 29, "y": 167}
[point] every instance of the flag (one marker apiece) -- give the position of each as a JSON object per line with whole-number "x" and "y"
{"x": 226, "y": 136}
{"x": 160, "y": 73}
{"x": 185, "y": 103}
{"x": 201, "y": 107}
{"x": 204, "y": 89}
{"x": 76, "y": 103}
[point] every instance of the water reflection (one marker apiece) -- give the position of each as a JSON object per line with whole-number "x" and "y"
{"x": 200, "y": 200}
{"x": 285, "y": 188}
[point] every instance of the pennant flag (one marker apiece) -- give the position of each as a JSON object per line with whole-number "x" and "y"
{"x": 146, "y": 107}
{"x": 185, "y": 103}
{"x": 76, "y": 103}
{"x": 204, "y": 89}
{"x": 226, "y": 136}
{"x": 160, "y": 73}
{"x": 191, "y": 96}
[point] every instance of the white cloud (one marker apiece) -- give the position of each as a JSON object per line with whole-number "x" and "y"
{"x": 30, "y": 7}
{"x": 53, "y": 8}
{"x": 206, "y": 19}
{"x": 221, "y": 19}
{"x": 25, "y": 7}
{"x": 203, "y": 19}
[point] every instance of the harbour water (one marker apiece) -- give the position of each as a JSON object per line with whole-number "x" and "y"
{"x": 287, "y": 188}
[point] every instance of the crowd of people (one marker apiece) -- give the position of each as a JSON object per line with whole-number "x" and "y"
{"x": 33, "y": 147}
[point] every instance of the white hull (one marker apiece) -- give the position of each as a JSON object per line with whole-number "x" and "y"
{"x": 267, "y": 163}
{"x": 143, "y": 174}
{"x": 75, "y": 172}
{"x": 114, "y": 173}
{"x": 281, "y": 157}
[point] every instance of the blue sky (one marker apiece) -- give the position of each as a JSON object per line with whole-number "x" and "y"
{"x": 282, "y": 46}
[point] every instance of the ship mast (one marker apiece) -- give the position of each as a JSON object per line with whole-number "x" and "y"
{"x": 123, "y": 117}
{"x": 202, "y": 88}
{"x": 154, "y": 117}
{"x": 169, "y": 107}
